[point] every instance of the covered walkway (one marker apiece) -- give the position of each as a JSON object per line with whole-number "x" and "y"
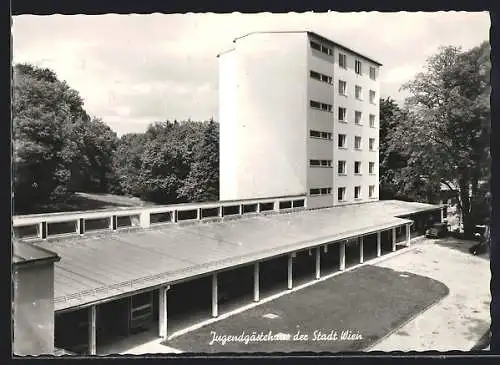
{"x": 129, "y": 274}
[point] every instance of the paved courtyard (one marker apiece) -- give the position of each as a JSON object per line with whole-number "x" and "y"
{"x": 459, "y": 320}
{"x": 434, "y": 296}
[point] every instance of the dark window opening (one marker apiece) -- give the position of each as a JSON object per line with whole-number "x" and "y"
{"x": 285, "y": 205}
{"x": 160, "y": 217}
{"x": 30, "y": 231}
{"x": 266, "y": 206}
{"x": 209, "y": 212}
{"x": 62, "y": 227}
{"x": 97, "y": 224}
{"x": 230, "y": 210}
{"x": 249, "y": 208}
{"x": 184, "y": 215}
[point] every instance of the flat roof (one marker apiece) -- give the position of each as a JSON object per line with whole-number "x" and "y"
{"x": 96, "y": 268}
{"x": 23, "y": 253}
{"x": 317, "y": 36}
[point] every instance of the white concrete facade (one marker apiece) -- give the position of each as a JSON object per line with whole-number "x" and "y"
{"x": 279, "y": 106}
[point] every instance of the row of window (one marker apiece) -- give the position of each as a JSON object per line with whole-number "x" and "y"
{"x": 320, "y": 77}
{"x": 358, "y": 91}
{"x": 320, "y": 191}
{"x": 320, "y": 163}
{"x": 358, "y": 117}
{"x": 341, "y": 192}
{"x": 342, "y": 60}
{"x": 323, "y": 106}
{"x": 341, "y": 166}
{"x": 357, "y": 192}
{"x": 342, "y": 142}
{"x": 321, "y": 48}
{"x": 342, "y": 139}
{"x": 318, "y": 134}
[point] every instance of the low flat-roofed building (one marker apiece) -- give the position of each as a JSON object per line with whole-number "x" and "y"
{"x": 33, "y": 299}
{"x": 130, "y": 271}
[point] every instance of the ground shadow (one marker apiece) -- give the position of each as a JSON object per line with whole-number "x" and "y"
{"x": 460, "y": 245}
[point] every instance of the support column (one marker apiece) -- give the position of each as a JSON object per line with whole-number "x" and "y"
{"x": 408, "y": 234}
{"x": 290, "y": 271}
{"x": 92, "y": 330}
{"x": 394, "y": 239}
{"x": 361, "y": 253}
{"x": 256, "y": 283}
{"x": 379, "y": 244}
{"x": 342, "y": 256}
{"x": 318, "y": 262}
{"x": 162, "y": 308}
{"x": 442, "y": 214}
{"x": 215, "y": 296}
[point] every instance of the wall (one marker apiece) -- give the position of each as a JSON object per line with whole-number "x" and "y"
{"x": 264, "y": 137}
{"x": 227, "y": 125}
{"x": 351, "y": 130}
{"x": 33, "y": 311}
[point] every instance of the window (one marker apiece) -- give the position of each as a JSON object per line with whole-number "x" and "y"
{"x": 371, "y": 191}
{"x": 342, "y": 60}
{"x": 357, "y": 67}
{"x": 320, "y": 77}
{"x": 315, "y": 75}
{"x": 357, "y": 167}
{"x": 341, "y": 142}
{"x": 341, "y": 168}
{"x": 316, "y": 46}
{"x": 342, "y": 88}
{"x": 357, "y": 142}
{"x": 357, "y": 117}
{"x": 314, "y": 191}
{"x": 372, "y": 96}
{"x": 318, "y": 134}
{"x": 326, "y": 135}
{"x": 372, "y": 120}
{"x": 373, "y": 72}
{"x": 358, "y": 91}
{"x": 342, "y": 114}
{"x": 341, "y": 194}
{"x": 371, "y": 167}
{"x": 326, "y": 50}
{"x": 371, "y": 144}
{"x": 357, "y": 192}
{"x": 326, "y": 107}
{"x": 315, "y": 104}
{"x": 320, "y": 191}
{"x": 319, "y": 47}
{"x": 327, "y": 79}
{"x": 323, "y": 106}
{"x": 320, "y": 163}
{"x": 314, "y": 134}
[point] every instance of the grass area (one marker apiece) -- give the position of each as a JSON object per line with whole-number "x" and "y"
{"x": 346, "y": 313}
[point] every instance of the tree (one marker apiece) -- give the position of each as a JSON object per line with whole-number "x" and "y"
{"x": 42, "y": 108}
{"x": 390, "y": 159}
{"x": 58, "y": 147}
{"x": 127, "y": 163}
{"x": 202, "y": 182}
{"x": 445, "y": 135}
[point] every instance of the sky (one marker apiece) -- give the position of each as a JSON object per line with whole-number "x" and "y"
{"x": 132, "y": 70}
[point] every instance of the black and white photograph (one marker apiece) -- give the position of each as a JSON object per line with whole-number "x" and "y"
{"x": 250, "y": 183}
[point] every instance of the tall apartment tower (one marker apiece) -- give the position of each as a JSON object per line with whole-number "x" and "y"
{"x": 298, "y": 115}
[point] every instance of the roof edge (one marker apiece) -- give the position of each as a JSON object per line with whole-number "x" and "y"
{"x": 315, "y": 35}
